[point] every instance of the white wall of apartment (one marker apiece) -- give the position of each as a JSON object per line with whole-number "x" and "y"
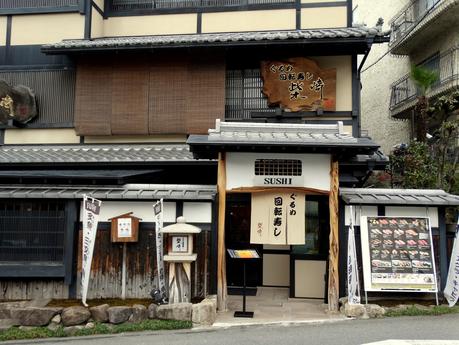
{"x": 376, "y": 80}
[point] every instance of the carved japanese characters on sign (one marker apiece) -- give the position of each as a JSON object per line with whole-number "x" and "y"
{"x": 16, "y": 103}
{"x": 299, "y": 84}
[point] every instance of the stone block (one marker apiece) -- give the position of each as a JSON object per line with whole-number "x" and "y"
{"x": 139, "y": 313}
{"x": 152, "y": 311}
{"x": 8, "y": 323}
{"x": 77, "y": 315}
{"x": 204, "y": 313}
{"x": 374, "y": 310}
{"x": 354, "y": 310}
{"x": 34, "y": 316}
{"x": 176, "y": 311}
{"x": 100, "y": 313}
{"x": 119, "y": 314}
{"x": 71, "y": 330}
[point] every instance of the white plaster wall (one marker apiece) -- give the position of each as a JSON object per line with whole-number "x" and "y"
{"x": 402, "y": 211}
{"x": 359, "y": 211}
{"x": 391, "y": 211}
{"x": 144, "y": 210}
{"x": 197, "y": 212}
{"x": 240, "y": 168}
{"x": 376, "y": 81}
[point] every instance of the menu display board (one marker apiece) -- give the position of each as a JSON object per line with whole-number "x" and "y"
{"x": 243, "y": 253}
{"x": 397, "y": 254}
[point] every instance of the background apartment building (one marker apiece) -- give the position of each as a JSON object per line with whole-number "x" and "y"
{"x": 424, "y": 32}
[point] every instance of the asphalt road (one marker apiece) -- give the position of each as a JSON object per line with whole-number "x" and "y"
{"x": 352, "y": 332}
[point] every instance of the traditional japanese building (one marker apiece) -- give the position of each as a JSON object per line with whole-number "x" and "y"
{"x": 218, "y": 107}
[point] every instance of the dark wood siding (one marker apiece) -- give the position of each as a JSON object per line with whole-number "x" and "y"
{"x": 149, "y": 95}
{"x": 141, "y": 277}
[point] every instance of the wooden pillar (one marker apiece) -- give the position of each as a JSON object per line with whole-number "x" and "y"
{"x": 221, "y": 258}
{"x": 333, "y": 258}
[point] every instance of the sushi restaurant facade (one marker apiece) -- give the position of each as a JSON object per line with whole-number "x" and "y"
{"x": 278, "y": 193}
{"x": 282, "y": 191}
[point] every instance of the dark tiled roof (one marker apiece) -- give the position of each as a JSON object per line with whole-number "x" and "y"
{"x": 125, "y": 153}
{"x": 215, "y": 38}
{"x": 127, "y": 192}
{"x": 398, "y": 196}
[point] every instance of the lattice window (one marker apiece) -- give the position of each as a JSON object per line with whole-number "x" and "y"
{"x": 244, "y": 94}
{"x": 278, "y": 167}
{"x": 32, "y": 231}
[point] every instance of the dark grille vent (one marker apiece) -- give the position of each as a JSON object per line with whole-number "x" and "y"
{"x": 278, "y": 167}
{"x": 32, "y": 231}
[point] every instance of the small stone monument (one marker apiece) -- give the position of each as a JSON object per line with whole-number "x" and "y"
{"x": 180, "y": 256}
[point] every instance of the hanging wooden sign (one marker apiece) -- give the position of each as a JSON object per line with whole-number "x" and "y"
{"x": 16, "y": 103}
{"x": 299, "y": 84}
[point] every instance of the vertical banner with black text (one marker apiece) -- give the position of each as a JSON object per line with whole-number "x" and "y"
{"x": 91, "y": 211}
{"x": 159, "y": 211}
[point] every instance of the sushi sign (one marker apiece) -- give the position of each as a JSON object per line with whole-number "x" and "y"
{"x": 397, "y": 254}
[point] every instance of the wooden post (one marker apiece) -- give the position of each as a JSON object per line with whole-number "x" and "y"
{"x": 333, "y": 276}
{"x": 123, "y": 273}
{"x": 179, "y": 282}
{"x": 221, "y": 261}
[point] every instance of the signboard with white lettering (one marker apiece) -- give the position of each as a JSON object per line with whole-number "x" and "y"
{"x": 278, "y": 218}
{"x": 397, "y": 254}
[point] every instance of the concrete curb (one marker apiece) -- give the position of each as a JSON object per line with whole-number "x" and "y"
{"x": 226, "y": 325}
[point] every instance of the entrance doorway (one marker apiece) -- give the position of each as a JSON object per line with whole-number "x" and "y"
{"x": 301, "y": 269}
{"x": 237, "y": 236}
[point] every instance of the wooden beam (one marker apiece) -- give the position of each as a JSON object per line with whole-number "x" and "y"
{"x": 221, "y": 259}
{"x": 333, "y": 259}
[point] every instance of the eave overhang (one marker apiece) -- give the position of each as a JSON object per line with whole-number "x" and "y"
{"x": 279, "y": 138}
{"x": 355, "y": 39}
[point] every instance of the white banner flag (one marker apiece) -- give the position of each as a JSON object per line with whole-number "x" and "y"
{"x": 91, "y": 211}
{"x": 158, "y": 209}
{"x": 452, "y": 284}
{"x": 353, "y": 287}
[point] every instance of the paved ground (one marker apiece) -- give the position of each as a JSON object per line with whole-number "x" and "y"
{"x": 272, "y": 305}
{"x": 342, "y": 333}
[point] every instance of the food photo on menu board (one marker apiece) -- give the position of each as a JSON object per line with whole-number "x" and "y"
{"x": 400, "y": 251}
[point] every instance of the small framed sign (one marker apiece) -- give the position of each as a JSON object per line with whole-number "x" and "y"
{"x": 179, "y": 244}
{"x": 125, "y": 228}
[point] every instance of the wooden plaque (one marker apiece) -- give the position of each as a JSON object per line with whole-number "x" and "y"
{"x": 125, "y": 228}
{"x": 299, "y": 84}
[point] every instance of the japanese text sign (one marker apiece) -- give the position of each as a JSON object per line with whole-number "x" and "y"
{"x": 277, "y": 218}
{"x": 299, "y": 84}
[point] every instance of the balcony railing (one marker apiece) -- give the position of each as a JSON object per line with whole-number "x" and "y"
{"x": 447, "y": 67}
{"x": 409, "y": 17}
{"x": 117, "y": 6}
{"x": 34, "y": 6}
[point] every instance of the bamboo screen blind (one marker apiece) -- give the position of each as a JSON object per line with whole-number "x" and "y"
{"x": 145, "y": 95}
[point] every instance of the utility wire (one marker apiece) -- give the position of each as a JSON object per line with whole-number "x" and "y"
{"x": 407, "y": 33}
